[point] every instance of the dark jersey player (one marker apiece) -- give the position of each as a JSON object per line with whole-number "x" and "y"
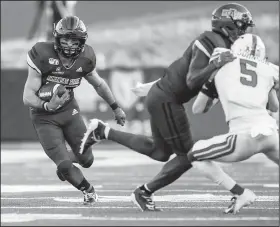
{"x": 182, "y": 81}
{"x": 65, "y": 61}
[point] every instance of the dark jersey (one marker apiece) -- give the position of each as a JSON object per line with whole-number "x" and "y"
{"x": 174, "y": 80}
{"x": 44, "y": 59}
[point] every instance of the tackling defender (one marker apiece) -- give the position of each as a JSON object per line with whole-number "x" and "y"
{"x": 244, "y": 87}
{"x": 181, "y": 82}
{"x": 65, "y": 61}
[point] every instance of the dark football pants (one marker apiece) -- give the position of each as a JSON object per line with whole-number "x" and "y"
{"x": 54, "y": 129}
{"x": 169, "y": 123}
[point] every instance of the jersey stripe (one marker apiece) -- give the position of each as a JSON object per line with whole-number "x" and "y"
{"x": 202, "y": 48}
{"x": 254, "y": 45}
{"x": 32, "y": 65}
{"x": 208, "y": 44}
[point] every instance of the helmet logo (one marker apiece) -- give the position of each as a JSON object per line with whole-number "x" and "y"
{"x": 232, "y": 13}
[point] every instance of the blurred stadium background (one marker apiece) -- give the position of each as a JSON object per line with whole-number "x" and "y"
{"x": 133, "y": 41}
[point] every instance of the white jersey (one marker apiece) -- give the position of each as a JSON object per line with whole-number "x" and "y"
{"x": 243, "y": 87}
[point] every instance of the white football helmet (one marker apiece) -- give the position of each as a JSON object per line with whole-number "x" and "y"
{"x": 249, "y": 44}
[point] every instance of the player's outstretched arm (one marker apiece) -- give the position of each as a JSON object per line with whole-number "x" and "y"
{"x": 105, "y": 92}
{"x": 199, "y": 70}
{"x": 32, "y": 85}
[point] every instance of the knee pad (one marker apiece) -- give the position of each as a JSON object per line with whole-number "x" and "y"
{"x": 87, "y": 162}
{"x": 65, "y": 166}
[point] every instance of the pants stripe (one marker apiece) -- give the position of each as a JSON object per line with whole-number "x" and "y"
{"x": 218, "y": 149}
{"x": 181, "y": 145}
{"x": 168, "y": 122}
{"x": 213, "y": 146}
{"x": 231, "y": 150}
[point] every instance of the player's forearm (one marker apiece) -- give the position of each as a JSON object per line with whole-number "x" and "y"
{"x": 196, "y": 78}
{"x": 203, "y": 103}
{"x": 105, "y": 92}
{"x": 33, "y": 100}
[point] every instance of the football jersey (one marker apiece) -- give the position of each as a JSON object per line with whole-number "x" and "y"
{"x": 243, "y": 87}
{"x": 44, "y": 59}
{"x": 174, "y": 80}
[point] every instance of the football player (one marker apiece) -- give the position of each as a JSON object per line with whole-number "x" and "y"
{"x": 181, "y": 81}
{"x": 65, "y": 61}
{"x": 244, "y": 87}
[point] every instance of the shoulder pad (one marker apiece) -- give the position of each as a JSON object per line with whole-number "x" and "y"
{"x": 210, "y": 40}
{"x": 38, "y": 55}
{"x": 90, "y": 58}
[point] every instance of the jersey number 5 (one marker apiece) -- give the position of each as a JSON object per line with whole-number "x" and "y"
{"x": 252, "y": 82}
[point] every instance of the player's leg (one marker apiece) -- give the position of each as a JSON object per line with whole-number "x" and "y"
{"x": 73, "y": 132}
{"x": 271, "y": 150}
{"x": 52, "y": 140}
{"x": 174, "y": 128}
{"x": 225, "y": 148}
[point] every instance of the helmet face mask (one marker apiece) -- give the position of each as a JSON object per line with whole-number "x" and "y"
{"x": 70, "y": 30}
{"x": 232, "y": 20}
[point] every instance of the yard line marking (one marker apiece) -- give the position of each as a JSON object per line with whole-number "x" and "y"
{"x": 163, "y": 198}
{"x": 38, "y": 188}
{"x": 271, "y": 185}
{"x": 13, "y": 217}
{"x": 19, "y": 188}
{"x": 126, "y": 207}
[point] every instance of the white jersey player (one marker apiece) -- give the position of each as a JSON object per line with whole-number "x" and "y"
{"x": 245, "y": 88}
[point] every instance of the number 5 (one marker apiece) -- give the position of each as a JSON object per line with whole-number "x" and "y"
{"x": 254, "y": 77}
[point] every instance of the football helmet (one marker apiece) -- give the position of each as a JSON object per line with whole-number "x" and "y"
{"x": 232, "y": 20}
{"x": 70, "y": 27}
{"x": 249, "y": 44}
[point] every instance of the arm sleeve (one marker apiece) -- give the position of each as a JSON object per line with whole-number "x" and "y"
{"x": 91, "y": 61}
{"x": 34, "y": 59}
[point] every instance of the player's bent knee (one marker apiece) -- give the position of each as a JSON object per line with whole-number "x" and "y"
{"x": 87, "y": 163}
{"x": 65, "y": 166}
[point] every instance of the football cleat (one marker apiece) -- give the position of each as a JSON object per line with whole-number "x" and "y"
{"x": 244, "y": 200}
{"x": 89, "y": 137}
{"x": 143, "y": 201}
{"x": 60, "y": 176}
{"x": 90, "y": 197}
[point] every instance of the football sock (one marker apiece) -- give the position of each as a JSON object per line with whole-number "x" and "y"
{"x": 215, "y": 173}
{"x": 85, "y": 186}
{"x": 139, "y": 143}
{"x": 237, "y": 190}
{"x": 145, "y": 189}
{"x": 170, "y": 172}
{"x": 76, "y": 178}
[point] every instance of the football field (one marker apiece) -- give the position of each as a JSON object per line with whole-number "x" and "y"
{"x": 31, "y": 193}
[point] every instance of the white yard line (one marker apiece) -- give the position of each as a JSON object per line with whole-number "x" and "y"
{"x": 124, "y": 207}
{"x": 203, "y": 198}
{"x": 13, "y": 217}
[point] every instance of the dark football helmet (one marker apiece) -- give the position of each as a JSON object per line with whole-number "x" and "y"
{"x": 70, "y": 27}
{"x": 232, "y": 20}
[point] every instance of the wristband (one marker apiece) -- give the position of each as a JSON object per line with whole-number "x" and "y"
{"x": 114, "y": 106}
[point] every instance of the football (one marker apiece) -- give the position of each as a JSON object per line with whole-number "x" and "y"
{"x": 47, "y": 90}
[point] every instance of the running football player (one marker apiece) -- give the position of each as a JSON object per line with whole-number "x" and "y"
{"x": 65, "y": 61}
{"x": 182, "y": 81}
{"x": 244, "y": 87}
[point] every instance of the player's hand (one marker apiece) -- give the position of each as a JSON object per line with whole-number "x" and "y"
{"x": 119, "y": 116}
{"x": 222, "y": 58}
{"x": 56, "y": 102}
{"x": 140, "y": 89}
